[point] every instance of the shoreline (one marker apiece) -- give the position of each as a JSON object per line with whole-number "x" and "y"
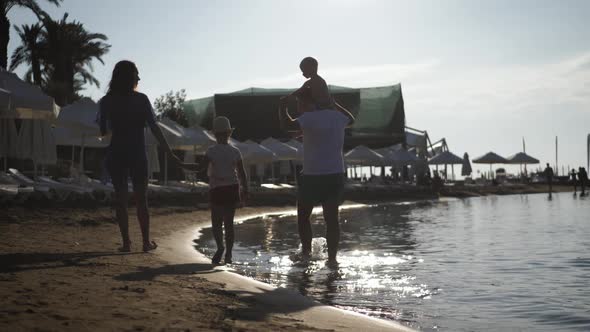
{"x": 274, "y": 299}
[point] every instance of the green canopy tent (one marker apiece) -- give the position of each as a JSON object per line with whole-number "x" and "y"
{"x": 379, "y": 112}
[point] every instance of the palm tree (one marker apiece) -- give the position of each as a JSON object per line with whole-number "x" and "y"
{"x": 69, "y": 50}
{"x": 5, "y": 7}
{"x": 29, "y": 52}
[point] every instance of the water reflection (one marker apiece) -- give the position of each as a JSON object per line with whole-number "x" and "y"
{"x": 452, "y": 265}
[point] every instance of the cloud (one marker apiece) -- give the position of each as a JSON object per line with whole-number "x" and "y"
{"x": 502, "y": 88}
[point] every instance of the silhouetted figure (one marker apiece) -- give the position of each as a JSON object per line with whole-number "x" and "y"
{"x": 437, "y": 183}
{"x": 574, "y": 178}
{"x": 124, "y": 113}
{"x": 549, "y": 176}
{"x": 227, "y": 186}
{"x": 322, "y": 181}
{"x": 583, "y": 177}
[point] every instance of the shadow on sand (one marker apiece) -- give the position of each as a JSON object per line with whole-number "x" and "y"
{"x": 39, "y": 261}
{"x": 260, "y": 302}
{"x": 265, "y": 302}
{"x": 150, "y": 273}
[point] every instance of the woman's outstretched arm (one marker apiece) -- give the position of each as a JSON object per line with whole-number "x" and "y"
{"x": 162, "y": 141}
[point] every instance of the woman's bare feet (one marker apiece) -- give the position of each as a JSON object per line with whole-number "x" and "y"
{"x": 126, "y": 247}
{"x": 149, "y": 246}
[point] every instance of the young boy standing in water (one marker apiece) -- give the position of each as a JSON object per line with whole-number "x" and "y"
{"x": 227, "y": 186}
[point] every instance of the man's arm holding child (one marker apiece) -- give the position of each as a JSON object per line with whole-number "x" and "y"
{"x": 346, "y": 113}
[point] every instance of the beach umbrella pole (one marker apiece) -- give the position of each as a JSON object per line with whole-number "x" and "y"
{"x": 82, "y": 154}
{"x": 165, "y": 168}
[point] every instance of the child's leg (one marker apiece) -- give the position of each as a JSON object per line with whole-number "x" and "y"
{"x": 217, "y": 226}
{"x": 228, "y": 223}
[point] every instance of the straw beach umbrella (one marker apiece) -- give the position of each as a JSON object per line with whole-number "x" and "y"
{"x": 446, "y": 158}
{"x": 490, "y": 158}
{"x": 522, "y": 158}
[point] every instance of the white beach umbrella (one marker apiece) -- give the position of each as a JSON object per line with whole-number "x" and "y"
{"x": 282, "y": 150}
{"x": 64, "y": 136}
{"x": 257, "y": 153}
{"x": 285, "y": 168}
{"x": 362, "y": 155}
{"x": 8, "y": 140}
{"x": 5, "y": 97}
{"x": 299, "y": 147}
{"x": 36, "y": 142}
{"x": 26, "y": 101}
{"x": 172, "y": 135}
{"x": 79, "y": 119}
{"x": 152, "y": 159}
{"x": 190, "y": 139}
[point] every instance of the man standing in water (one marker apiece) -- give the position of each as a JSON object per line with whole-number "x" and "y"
{"x": 322, "y": 181}
{"x": 549, "y": 176}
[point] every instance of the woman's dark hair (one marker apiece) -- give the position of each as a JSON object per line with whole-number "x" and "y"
{"x": 124, "y": 79}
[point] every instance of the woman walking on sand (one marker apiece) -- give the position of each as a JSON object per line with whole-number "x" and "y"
{"x": 124, "y": 113}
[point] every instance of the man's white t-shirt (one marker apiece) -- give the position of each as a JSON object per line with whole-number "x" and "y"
{"x": 222, "y": 169}
{"x": 323, "y": 140}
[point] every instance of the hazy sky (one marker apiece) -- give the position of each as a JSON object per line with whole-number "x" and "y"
{"x": 482, "y": 74}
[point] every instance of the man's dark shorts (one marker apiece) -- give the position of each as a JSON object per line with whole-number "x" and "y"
{"x": 318, "y": 189}
{"x": 121, "y": 167}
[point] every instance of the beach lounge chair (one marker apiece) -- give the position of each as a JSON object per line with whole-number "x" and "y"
{"x": 8, "y": 192}
{"x": 65, "y": 190}
{"x": 99, "y": 190}
{"x": 25, "y": 182}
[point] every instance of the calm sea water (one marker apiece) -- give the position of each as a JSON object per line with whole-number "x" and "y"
{"x": 497, "y": 263}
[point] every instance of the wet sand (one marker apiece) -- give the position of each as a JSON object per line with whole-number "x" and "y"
{"x": 60, "y": 271}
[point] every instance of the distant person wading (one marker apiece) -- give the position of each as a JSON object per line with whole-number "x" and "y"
{"x": 124, "y": 113}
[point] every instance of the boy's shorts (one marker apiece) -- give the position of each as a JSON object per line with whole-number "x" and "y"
{"x": 318, "y": 189}
{"x": 225, "y": 195}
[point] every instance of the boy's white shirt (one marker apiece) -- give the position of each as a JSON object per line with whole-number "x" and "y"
{"x": 222, "y": 170}
{"x": 323, "y": 141}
